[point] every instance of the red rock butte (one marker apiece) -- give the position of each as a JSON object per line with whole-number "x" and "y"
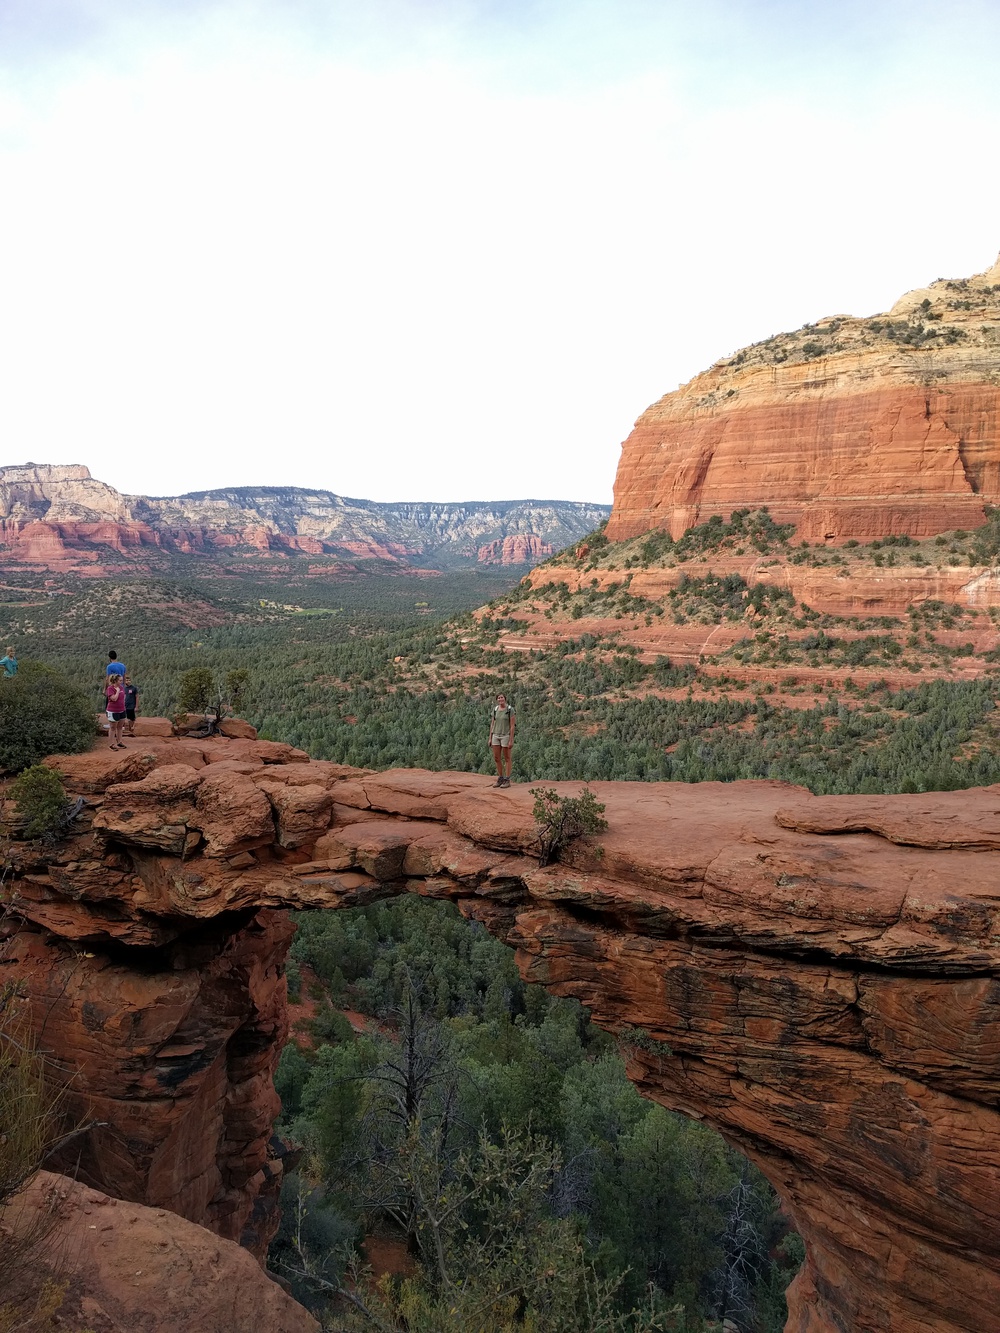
{"x": 848, "y": 428}
{"x": 815, "y": 977}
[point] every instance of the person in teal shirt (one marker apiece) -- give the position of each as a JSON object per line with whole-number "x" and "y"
{"x": 9, "y": 663}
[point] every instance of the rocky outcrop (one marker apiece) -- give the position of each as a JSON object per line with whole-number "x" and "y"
{"x": 848, "y": 428}
{"x": 58, "y": 494}
{"x": 520, "y": 550}
{"x": 125, "y": 1268}
{"x": 60, "y": 517}
{"x": 818, "y": 978}
{"x": 869, "y": 591}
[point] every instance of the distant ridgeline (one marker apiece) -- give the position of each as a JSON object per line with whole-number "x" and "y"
{"x": 61, "y": 518}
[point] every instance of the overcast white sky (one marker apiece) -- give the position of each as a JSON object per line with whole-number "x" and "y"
{"x": 450, "y": 249}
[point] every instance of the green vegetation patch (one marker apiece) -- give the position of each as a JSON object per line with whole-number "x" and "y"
{"x": 42, "y": 712}
{"x": 491, "y": 1128}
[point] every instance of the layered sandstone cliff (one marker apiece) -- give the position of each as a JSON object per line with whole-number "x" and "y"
{"x": 58, "y": 494}
{"x": 847, "y": 428}
{"x": 520, "y": 550}
{"x": 816, "y": 977}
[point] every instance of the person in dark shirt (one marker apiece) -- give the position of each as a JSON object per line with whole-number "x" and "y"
{"x": 131, "y": 704}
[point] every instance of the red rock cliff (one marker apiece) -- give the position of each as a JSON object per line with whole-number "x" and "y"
{"x": 520, "y": 549}
{"x": 848, "y": 428}
{"x": 819, "y": 976}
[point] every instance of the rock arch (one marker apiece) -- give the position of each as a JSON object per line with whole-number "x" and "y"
{"x": 819, "y": 977}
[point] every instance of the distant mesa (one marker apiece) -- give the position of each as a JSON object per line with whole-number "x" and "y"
{"x": 61, "y": 518}
{"x": 848, "y": 428}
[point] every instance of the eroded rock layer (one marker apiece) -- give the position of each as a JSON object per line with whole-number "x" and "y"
{"x": 848, "y": 428}
{"x": 816, "y": 977}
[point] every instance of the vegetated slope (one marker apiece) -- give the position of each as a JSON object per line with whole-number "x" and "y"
{"x": 848, "y": 427}
{"x": 743, "y": 594}
{"x": 361, "y": 671}
{"x": 60, "y": 517}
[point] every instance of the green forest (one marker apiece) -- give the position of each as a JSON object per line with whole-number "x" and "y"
{"x": 493, "y": 1128}
{"x": 481, "y": 1130}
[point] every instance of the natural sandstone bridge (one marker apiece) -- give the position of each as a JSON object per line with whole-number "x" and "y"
{"x": 823, "y": 973}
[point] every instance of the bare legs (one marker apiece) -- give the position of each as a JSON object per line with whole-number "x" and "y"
{"x": 499, "y": 751}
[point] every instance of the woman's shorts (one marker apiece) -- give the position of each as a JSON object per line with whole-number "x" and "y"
{"x": 115, "y": 717}
{"x": 500, "y": 740}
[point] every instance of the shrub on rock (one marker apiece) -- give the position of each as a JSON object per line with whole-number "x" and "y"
{"x": 561, "y": 819}
{"x": 41, "y": 712}
{"x": 40, "y": 799}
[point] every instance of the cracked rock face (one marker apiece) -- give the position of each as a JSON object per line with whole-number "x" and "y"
{"x": 816, "y": 977}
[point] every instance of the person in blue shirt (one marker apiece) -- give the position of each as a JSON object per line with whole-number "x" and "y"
{"x": 114, "y": 667}
{"x": 9, "y": 663}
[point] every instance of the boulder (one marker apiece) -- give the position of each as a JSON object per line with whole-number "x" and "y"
{"x": 185, "y": 722}
{"x": 157, "y": 811}
{"x": 100, "y": 768}
{"x": 153, "y": 726}
{"x": 277, "y": 752}
{"x": 299, "y": 774}
{"x": 302, "y": 813}
{"x": 237, "y": 729}
{"x": 133, "y": 1269}
{"x": 237, "y": 766}
{"x": 377, "y": 847}
{"x": 232, "y": 812}
{"x": 171, "y": 782}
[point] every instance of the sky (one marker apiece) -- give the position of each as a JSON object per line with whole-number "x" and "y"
{"x": 451, "y": 249}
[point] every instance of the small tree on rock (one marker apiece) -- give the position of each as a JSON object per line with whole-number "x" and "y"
{"x": 197, "y": 687}
{"x": 561, "y": 819}
{"x": 200, "y": 693}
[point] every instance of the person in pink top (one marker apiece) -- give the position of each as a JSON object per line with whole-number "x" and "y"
{"x": 114, "y": 693}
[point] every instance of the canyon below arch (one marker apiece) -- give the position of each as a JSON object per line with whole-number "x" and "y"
{"x": 816, "y": 977}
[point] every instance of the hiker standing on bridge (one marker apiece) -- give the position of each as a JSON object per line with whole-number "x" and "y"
{"x": 502, "y": 737}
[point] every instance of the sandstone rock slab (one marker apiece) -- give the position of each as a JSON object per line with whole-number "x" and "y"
{"x": 302, "y": 812}
{"x": 236, "y": 728}
{"x": 133, "y": 1269}
{"x": 232, "y": 812}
